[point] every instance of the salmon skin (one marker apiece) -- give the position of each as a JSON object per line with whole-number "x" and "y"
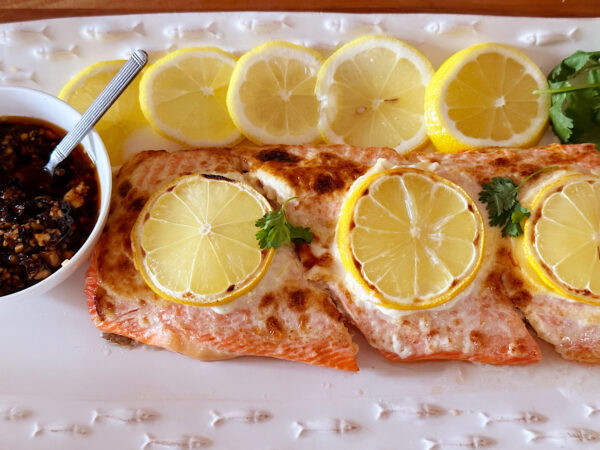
{"x": 285, "y": 316}
{"x": 481, "y": 323}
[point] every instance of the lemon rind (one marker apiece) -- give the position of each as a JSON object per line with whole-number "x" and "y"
{"x": 347, "y": 258}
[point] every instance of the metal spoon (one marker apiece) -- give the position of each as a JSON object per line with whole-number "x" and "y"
{"x": 96, "y": 110}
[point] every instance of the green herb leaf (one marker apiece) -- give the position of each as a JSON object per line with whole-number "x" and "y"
{"x": 513, "y": 229}
{"x": 300, "y": 234}
{"x": 594, "y": 76}
{"x": 577, "y": 60}
{"x": 575, "y": 88}
{"x": 519, "y": 213}
{"x": 499, "y": 196}
{"x": 275, "y": 230}
{"x": 562, "y": 124}
{"x": 502, "y": 203}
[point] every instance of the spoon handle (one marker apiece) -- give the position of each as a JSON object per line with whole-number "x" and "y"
{"x": 96, "y": 110}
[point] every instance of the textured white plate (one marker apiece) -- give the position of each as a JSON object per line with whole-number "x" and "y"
{"x": 62, "y": 386}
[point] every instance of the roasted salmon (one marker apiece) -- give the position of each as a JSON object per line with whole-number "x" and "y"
{"x": 290, "y": 314}
{"x": 285, "y": 316}
{"x": 481, "y": 324}
{"x": 572, "y": 327}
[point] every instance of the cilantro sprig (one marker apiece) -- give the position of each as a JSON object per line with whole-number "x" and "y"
{"x": 575, "y": 88}
{"x": 502, "y": 203}
{"x": 275, "y": 230}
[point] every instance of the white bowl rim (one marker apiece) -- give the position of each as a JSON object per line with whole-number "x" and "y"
{"x": 99, "y": 157}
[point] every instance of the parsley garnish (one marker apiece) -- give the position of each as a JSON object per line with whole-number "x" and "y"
{"x": 275, "y": 230}
{"x": 502, "y": 203}
{"x": 575, "y": 88}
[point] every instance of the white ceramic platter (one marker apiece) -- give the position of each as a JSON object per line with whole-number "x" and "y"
{"x": 63, "y": 387}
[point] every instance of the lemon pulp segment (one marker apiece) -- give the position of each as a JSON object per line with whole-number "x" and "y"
{"x": 411, "y": 238}
{"x": 194, "y": 241}
{"x": 271, "y": 97}
{"x": 183, "y": 95}
{"x": 562, "y": 237}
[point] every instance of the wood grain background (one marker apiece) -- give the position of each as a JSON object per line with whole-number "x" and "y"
{"x": 20, "y": 10}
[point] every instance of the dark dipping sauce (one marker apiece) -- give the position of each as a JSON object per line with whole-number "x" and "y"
{"x": 44, "y": 219}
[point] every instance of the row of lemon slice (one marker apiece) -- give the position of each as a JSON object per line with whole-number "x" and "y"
{"x": 410, "y": 238}
{"x": 195, "y": 243}
{"x": 372, "y": 91}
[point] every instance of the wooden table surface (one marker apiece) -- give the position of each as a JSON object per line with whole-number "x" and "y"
{"x": 20, "y": 10}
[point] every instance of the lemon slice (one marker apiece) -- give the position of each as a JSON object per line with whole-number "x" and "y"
{"x": 194, "y": 241}
{"x": 483, "y": 96}
{"x": 411, "y": 238}
{"x": 121, "y": 120}
{"x": 271, "y": 96}
{"x": 562, "y": 237}
{"x": 183, "y": 97}
{"x": 371, "y": 92}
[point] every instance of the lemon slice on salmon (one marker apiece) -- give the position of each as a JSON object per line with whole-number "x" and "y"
{"x": 371, "y": 92}
{"x": 121, "y": 120}
{"x": 411, "y": 238}
{"x": 562, "y": 237}
{"x": 183, "y": 97}
{"x": 194, "y": 242}
{"x": 482, "y": 96}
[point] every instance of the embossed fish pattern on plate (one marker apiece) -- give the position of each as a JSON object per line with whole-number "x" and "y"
{"x": 14, "y": 413}
{"x": 252, "y": 416}
{"x": 333, "y": 426}
{"x": 65, "y": 430}
{"x": 422, "y": 411}
{"x": 125, "y": 416}
{"x": 565, "y": 437}
{"x": 466, "y": 442}
{"x": 186, "y": 442}
{"x": 112, "y": 32}
{"x": 526, "y": 418}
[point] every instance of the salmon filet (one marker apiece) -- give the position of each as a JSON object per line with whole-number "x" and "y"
{"x": 479, "y": 324}
{"x": 285, "y": 316}
{"x": 572, "y": 327}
